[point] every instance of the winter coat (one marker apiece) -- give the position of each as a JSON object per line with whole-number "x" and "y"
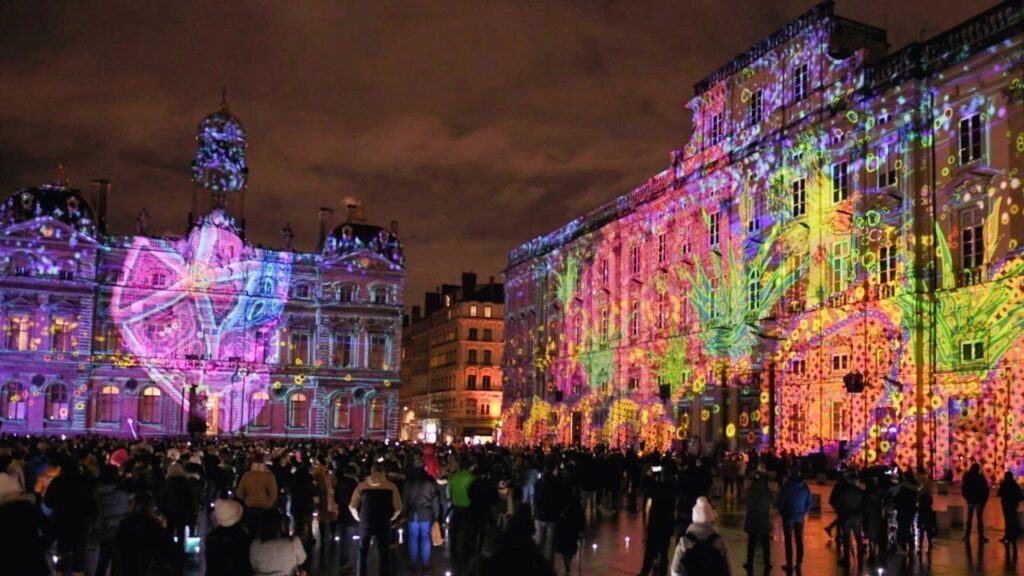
{"x": 227, "y": 551}
{"x": 343, "y": 490}
{"x": 25, "y": 538}
{"x": 258, "y": 489}
{"x": 302, "y": 491}
{"x": 847, "y": 500}
{"x": 420, "y": 498}
{"x": 327, "y": 509}
{"x": 701, "y": 531}
{"x": 975, "y": 489}
{"x": 1010, "y": 495}
{"x": 178, "y": 502}
{"x": 794, "y": 500}
{"x": 112, "y": 502}
{"x": 759, "y": 507}
{"x": 875, "y": 529}
{"x": 140, "y": 544}
{"x": 568, "y": 528}
{"x": 276, "y": 557}
{"x": 377, "y": 500}
{"x": 549, "y": 499}
{"x": 73, "y": 509}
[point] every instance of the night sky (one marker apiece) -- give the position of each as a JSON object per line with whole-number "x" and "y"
{"x": 476, "y": 125}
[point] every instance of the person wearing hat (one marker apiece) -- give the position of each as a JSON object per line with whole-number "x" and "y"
{"x": 25, "y": 533}
{"x": 178, "y": 502}
{"x": 227, "y": 545}
{"x": 701, "y": 550}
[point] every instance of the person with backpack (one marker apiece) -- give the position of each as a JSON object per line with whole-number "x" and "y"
{"x": 758, "y": 522}
{"x": 794, "y": 503}
{"x": 701, "y": 550}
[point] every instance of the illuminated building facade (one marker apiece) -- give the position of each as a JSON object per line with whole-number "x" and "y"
{"x": 451, "y": 364}
{"x": 839, "y": 215}
{"x": 144, "y": 335}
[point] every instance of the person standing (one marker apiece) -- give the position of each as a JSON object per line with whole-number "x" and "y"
{"x": 975, "y": 491}
{"x": 274, "y": 552}
{"x": 701, "y": 550}
{"x": 112, "y": 501}
{"x": 422, "y": 505}
{"x": 69, "y": 495}
{"x": 851, "y": 512}
{"x": 25, "y": 533}
{"x": 301, "y": 504}
{"x": 730, "y": 472}
{"x": 905, "y": 504}
{"x": 458, "y": 494}
{"x": 758, "y": 522}
{"x": 143, "y": 544}
{"x": 549, "y": 500}
{"x": 1010, "y": 496}
{"x": 327, "y": 508}
{"x": 227, "y": 545}
{"x": 794, "y": 503}
{"x": 568, "y": 531}
{"x": 375, "y": 504}
{"x": 347, "y": 523}
{"x": 177, "y": 503}
{"x": 258, "y": 490}
{"x": 660, "y": 506}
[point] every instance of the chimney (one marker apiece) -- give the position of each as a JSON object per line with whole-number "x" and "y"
{"x": 394, "y": 227}
{"x": 468, "y": 285}
{"x": 416, "y": 314}
{"x": 324, "y": 216}
{"x": 355, "y": 211}
{"x": 100, "y": 194}
{"x": 432, "y": 303}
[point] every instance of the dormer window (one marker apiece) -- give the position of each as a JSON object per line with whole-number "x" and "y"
{"x": 302, "y": 291}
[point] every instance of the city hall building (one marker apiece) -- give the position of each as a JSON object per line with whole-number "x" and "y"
{"x": 832, "y": 263}
{"x": 200, "y": 333}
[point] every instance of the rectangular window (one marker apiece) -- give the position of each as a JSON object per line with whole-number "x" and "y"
{"x": 886, "y": 161}
{"x": 972, "y": 236}
{"x": 753, "y": 291}
{"x": 158, "y": 280}
{"x": 471, "y": 382}
{"x": 488, "y": 357}
{"x": 634, "y": 319}
{"x": 713, "y": 301}
{"x": 605, "y": 325}
{"x": 341, "y": 355}
{"x": 713, "y": 229}
{"x": 470, "y": 407}
{"x": 379, "y": 352}
{"x": 19, "y": 336}
{"x": 840, "y": 182}
{"x": 970, "y": 139}
{"x": 972, "y": 351}
{"x": 472, "y": 359}
{"x": 755, "y": 107}
{"x": 634, "y": 260}
{"x": 302, "y": 291}
{"x": 801, "y": 82}
{"x": 60, "y": 335}
{"x": 604, "y": 272}
{"x": 799, "y": 197}
{"x": 662, "y": 309}
{"x": 346, "y": 293}
{"x": 661, "y": 248}
{"x": 633, "y": 383}
{"x": 886, "y": 264}
{"x": 473, "y": 310}
{"x": 840, "y": 266}
{"x": 300, "y": 348}
{"x": 716, "y": 129}
{"x": 473, "y": 333}
{"x": 839, "y": 418}
{"x": 840, "y": 362}
{"x": 487, "y": 311}
{"x": 753, "y": 213}
{"x": 486, "y": 384}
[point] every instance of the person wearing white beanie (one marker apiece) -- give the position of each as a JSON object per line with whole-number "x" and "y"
{"x": 701, "y": 550}
{"x": 227, "y": 545}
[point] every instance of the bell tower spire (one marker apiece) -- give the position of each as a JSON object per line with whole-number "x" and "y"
{"x": 220, "y": 175}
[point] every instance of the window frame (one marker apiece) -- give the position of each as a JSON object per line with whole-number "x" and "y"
{"x": 146, "y": 399}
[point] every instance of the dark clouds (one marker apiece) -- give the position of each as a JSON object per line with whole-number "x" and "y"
{"x": 477, "y": 125}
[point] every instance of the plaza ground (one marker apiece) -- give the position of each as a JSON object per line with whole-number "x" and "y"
{"x": 615, "y": 556}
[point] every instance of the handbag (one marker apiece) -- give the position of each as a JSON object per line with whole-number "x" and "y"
{"x": 436, "y": 538}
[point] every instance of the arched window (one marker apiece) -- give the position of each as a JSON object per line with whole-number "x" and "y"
{"x": 259, "y": 409}
{"x": 340, "y": 413}
{"x": 150, "y": 405}
{"x": 57, "y": 402}
{"x": 377, "y": 413}
{"x": 379, "y": 295}
{"x": 15, "y": 405}
{"x": 347, "y": 293}
{"x": 298, "y": 410}
{"x": 109, "y": 402}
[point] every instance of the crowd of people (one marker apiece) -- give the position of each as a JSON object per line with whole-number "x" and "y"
{"x": 135, "y": 508}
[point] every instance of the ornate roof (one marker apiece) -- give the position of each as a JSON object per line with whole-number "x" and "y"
{"x": 50, "y": 200}
{"x": 353, "y": 236}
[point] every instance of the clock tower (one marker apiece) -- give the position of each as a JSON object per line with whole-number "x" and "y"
{"x": 220, "y": 174}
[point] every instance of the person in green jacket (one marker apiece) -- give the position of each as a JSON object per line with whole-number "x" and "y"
{"x": 459, "y": 526}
